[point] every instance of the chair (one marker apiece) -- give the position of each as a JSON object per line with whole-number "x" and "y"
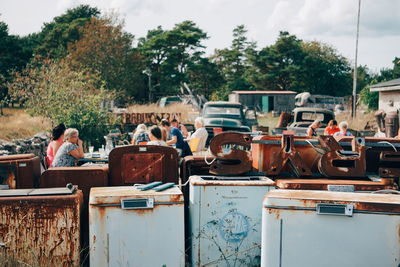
{"x": 194, "y": 144}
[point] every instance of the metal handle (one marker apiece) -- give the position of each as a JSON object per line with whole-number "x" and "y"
{"x": 334, "y": 209}
{"x": 137, "y": 203}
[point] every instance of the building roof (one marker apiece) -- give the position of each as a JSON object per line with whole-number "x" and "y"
{"x": 392, "y": 85}
{"x": 262, "y": 92}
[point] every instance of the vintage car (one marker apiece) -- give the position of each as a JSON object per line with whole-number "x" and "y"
{"x": 221, "y": 116}
{"x": 302, "y": 118}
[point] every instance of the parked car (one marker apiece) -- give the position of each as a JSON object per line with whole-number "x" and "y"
{"x": 227, "y": 116}
{"x": 302, "y": 119}
{"x": 168, "y": 100}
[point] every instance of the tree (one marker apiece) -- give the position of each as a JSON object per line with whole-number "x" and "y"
{"x": 56, "y": 91}
{"x": 15, "y": 53}
{"x": 106, "y": 49}
{"x": 278, "y": 67}
{"x": 233, "y": 63}
{"x": 205, "y": 77}
{"x": 169, "y": 54}
{"x": 371, "y": 99}
{"x": 63, "y": 30}
{"x": 396, "y": 68}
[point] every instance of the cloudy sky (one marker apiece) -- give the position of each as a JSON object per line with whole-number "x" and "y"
{"x": 329, "y": 21}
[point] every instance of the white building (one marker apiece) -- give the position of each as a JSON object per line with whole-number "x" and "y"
{"x": 389, "y": 95}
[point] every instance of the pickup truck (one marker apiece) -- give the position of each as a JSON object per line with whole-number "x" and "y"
{"x": 302, "y": 118}
{"x": 227, "y": 116}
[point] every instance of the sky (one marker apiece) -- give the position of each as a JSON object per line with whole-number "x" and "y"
{"x": 333, "y": 22}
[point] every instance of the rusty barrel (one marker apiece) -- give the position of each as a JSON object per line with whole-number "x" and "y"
{"x": 391, "y": 124}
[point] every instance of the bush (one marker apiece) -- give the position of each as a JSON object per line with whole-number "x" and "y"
{"x": 53, "y": 90}
{"x": 371, "y": 99}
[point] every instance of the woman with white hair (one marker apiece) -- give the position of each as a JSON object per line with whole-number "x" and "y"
{"x": 140, "y": 135}
{"x": 343, "y": 129}
{"x": 70, "y": 151}
{"x": 200, "y": 133}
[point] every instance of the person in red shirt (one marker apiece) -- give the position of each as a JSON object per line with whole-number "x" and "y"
{"x": 332, "y": 128}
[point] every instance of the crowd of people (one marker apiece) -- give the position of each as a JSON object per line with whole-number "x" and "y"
{"x": 331, "y": 129}
{"x": 172, "y": 133}
{"x": 66, "y": 148}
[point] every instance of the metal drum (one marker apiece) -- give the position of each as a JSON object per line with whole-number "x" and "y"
{"x": 391, "y": 124}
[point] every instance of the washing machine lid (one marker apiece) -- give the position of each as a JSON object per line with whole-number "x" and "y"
{"x": 216, "y": 180}
{"x": 313, "y": 200}
{"x": 117, "y": 195}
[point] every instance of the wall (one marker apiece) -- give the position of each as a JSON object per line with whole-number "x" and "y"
{"x": 385, "y": 97}
{"x": 36, "y": 145}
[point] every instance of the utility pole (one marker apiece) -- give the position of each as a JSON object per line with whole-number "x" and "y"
{"x": 353, "y": 110}
{"x": 147, "y": 71}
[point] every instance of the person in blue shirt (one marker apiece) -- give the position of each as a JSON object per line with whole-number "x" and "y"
{"x": 176, "y": 139}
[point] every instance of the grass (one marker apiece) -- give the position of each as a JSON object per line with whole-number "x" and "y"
{"x": 360, "y": 122}
{"x": 16, "y": 123}
{"x": 266, "y": 119}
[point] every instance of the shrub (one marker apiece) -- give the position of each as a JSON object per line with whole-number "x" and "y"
{"x": 52, "y": 89}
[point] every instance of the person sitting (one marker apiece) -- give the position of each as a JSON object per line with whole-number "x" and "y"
{"x": 177, "y": 140}
{"x": 312, "y": 129}
{"x": 181, "y": 127}
{"x": 331, "y": 128}
{"x": 140, "y": 135}
{"x": 70, "y": 150}
{"x": 200, "y": 133}
{"x": 57, "y": 141}
{"x": 156, "y": 137}
{"x": 165, "y": 129}
{"x": 343, "y": 126}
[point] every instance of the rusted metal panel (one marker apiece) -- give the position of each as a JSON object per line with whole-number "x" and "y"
{"x": 376, "y": 146}
{"x": 225, "y": 225}
{"x": 83, "y": 177}
{"x": 330, "y": 229}
{"x": 20, "y": 171}
{"x": 148, "y": 159}
{"x": 263, "y": 155}
{"x": 362, "y": 201}
{"x": 41, "y": 230}
{"x": 237, "y": 160}
{"x": 322, "y": 184}
{"x": 288, "y": 155}
{"x": 336, "y": 163}
{"x": 142, "y": 168}
{"x": 148, "y": 233}
{"x": 389, "y": 165}
{"x": 194, "y": 165}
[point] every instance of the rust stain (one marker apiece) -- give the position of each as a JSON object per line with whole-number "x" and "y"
{"x": 166, "y": 170}
{"x": 322, "y": 184}
{"x": 42, "y": 231}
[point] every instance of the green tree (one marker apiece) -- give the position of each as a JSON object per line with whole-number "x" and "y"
{"x": 279, "y": 66}
{"x": 396, "y": 68}
{"x": 56, "y": 91}
{"x": 371, "y": 99}
{"x": 205, "y": 77}
{"x": 15, "y": 53}
{"x": 63, "y": 30}
{"x": 106, "y": 49}
{"x": 326, "y": 72}
{"x": 233, "y": 63}
{"x": 169, "y": 54}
